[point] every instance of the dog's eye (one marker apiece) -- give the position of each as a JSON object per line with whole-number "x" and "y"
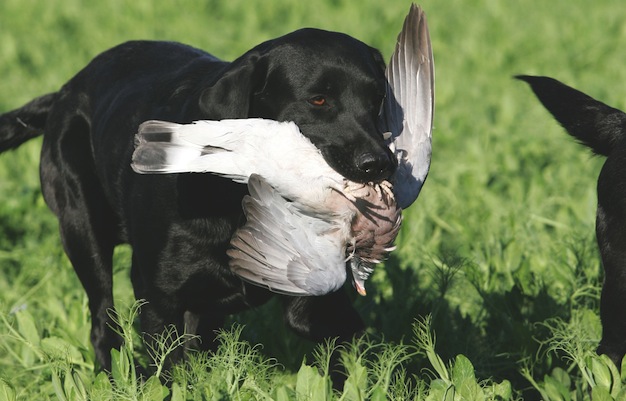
{"x": 317, "y": 101}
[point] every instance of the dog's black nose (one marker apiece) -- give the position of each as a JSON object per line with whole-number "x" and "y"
{"x": 376, "y": 166}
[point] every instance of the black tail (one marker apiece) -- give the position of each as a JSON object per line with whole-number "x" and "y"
{"x": 593, "y": 123}
{"x": 20, "y": 125}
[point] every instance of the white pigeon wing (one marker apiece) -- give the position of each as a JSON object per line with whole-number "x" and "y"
{"x": 203, "y": 146}
{"x": 230, "y": 147}
{"x": 236, "y": 149}
{"x": 285, "y": 250}
{"x": 409, "y": 107}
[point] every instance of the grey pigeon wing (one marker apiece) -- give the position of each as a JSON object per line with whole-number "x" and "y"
{"x": 283, "y": 249}
{"x": 409, "y": 106}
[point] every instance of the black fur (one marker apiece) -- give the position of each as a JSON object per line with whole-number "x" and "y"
{"x": 179, "y": 226}
{"x": 603, "y": 129}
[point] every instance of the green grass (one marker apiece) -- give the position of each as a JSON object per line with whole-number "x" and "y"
{"x": 499, "y": 249}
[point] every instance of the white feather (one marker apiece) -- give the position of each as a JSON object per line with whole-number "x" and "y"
{"x": 237, "y": 149}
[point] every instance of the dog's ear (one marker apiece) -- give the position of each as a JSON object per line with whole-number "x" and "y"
{"x": 592, "y": 122}
{"x": 230, "y": 95}
{"x": 378, "y": 58}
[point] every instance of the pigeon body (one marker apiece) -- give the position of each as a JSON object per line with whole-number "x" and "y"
{"x": 293, "y": 252}
{"x": 299, "y": 254}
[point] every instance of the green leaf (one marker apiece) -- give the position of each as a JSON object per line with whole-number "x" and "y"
{"x": 462, "y": 369}
{"x": 7, "y": 392}
{"x": 281, "y": 394}
{"x": 464, "y": 379}
{"x": 555, "y": 389}
{"x": 561, "y": 376}
{"x": 469, "y": 389}
{"x": 78, "y": 384}
{"x": 177, "y": 393}
{"x": 59, "y": 390}
{"x": 153, "y": 390}
{"x": 450, "y": 393}
{"x": 118, "y": 366}
{"x": 502, "y": 391}
{"x": 616, "y": 382}
{"x": 440, "y": 390}
{"x": 310, "y": 385}
{"x": 620, "y": 395}
{"x": 101, "y": 388}
{"x": 355, "y": 387}
{"x": 378, "y": 394}
{"x": 601, "y": 373}
{"x": 600, "y": 394}
{"x": 26, "y": 327}
{"x": 59, "y": 348}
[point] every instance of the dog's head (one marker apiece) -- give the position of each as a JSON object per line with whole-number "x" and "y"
{"x": 330, "y": 84}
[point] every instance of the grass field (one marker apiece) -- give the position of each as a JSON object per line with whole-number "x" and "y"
{"x": 497, "y": 257}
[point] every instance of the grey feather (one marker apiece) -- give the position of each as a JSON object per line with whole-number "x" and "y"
{"x": 284, "y": 249}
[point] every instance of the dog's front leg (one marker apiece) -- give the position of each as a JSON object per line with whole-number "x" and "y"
{"x": 162, "y": 327}
{"x": 320, "y": 318}
{"x": 327, "y": 317}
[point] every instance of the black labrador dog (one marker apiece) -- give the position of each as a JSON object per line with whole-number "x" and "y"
{"x": 179, "y": 226}
{"x": 603, "y": 129}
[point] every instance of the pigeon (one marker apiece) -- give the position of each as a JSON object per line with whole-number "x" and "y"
{"x": 304, "y": 221}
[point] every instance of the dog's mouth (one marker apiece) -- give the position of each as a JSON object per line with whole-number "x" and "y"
{"x": 361, "y": 157}
{"x": 361, "y": 167}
